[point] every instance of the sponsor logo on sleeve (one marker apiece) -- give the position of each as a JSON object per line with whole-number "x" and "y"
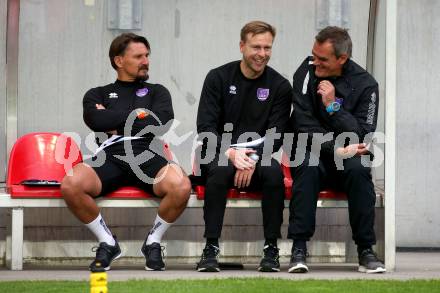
{"x": 371, "y": 109}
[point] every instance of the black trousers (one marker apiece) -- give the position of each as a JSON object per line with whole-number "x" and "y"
{"x": 355, "y": 180}
{"x": 267, "y": 179}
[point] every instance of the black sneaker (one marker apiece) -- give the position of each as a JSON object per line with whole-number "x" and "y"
{"x": 105, "y": 254}
{"x": 298, "y": 261}
{"x": 153, "y": 256}
{"x": 369, "y": 263}
{"x": 209, "y": 260}
{"x": 271, "y": 259}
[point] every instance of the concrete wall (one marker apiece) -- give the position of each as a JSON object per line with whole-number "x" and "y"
{"x": 418, "y": 122}
{"x": 3, "y": 21}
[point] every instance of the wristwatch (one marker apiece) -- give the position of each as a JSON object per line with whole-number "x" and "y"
{"x": 254, "y": 157}
{"x": 333, "y": 107}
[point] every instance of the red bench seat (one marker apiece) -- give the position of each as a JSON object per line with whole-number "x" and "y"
{"x": 234, "y": 193}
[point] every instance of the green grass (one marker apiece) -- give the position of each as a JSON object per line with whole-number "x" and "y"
{"x": 253, "y": 285}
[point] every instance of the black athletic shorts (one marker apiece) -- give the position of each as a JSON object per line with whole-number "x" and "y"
{"x": 115, "y": 172}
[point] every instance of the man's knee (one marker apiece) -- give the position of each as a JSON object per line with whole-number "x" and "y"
{"x": 70, "y": 186}
{"x": 272, "y": 175}
{"x": 83, "y": 180}
{"x": 179, "y": 189}
{"x": 184, "y": 189}
{"x": 220, "y": 174}
{"x": 353, "y": 168}
{"x": 306, "y": 170}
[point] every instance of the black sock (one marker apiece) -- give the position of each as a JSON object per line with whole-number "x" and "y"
{"x": 301, "y": 244}
{"x": 271, "y": 241}
{"x": 212, "y": 241}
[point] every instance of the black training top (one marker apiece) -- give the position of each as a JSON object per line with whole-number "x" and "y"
{"x": 251, "y": 105}
{"x": 357, "y": 92}
{"x": 120, "y": 99}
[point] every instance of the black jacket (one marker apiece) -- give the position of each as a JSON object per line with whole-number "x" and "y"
{"x": 250, "y": 105}
{"x": 120, "y": 99}
{"x": 355, "y": 88}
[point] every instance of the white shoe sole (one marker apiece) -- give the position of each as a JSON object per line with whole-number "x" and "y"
{"x": 268, "y": 270}
{"x": 150, "y": 269}
{"x": 209, "y": 270}
{"x": 378, "y": 270}
{"x": 299, "y": 268}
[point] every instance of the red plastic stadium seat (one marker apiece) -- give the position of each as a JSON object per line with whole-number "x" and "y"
{"x": 233, "y": 193}
{"x": 36, "y": 164}
{"x": 129, "y": 192}
{"x": 35, "y": 167}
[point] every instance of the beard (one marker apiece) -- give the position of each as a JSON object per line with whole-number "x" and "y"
{"x": 143, "y": 77}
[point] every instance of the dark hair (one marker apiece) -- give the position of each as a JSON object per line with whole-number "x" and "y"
{"x": 338, "y": 37}
{"x": 256, "y": 27}
{"x": 120, "y": 44}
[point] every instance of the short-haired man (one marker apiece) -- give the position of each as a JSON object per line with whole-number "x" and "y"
{"x": 108, "y": 109}
{"x": 244, "y": 97}
{"x": 333, "y": 94}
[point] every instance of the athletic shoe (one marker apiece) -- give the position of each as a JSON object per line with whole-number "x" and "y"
{"x": 298, "y": 261}
{"x": 271, "y": 259}
{"x": 153, "y": 256}
{"x": 209, "y": 260}
{"x": 105, "y": 254}
{"x": 369, "y": 263}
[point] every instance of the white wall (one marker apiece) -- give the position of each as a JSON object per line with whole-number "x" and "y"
{"x": 418, "y": 123}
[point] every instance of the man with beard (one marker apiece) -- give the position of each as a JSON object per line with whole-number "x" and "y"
{"x": 132, "y": 113}
{"x": 244, "y": 99}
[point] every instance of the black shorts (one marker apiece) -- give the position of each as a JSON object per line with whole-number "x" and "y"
{"x": 115, "y": 172}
